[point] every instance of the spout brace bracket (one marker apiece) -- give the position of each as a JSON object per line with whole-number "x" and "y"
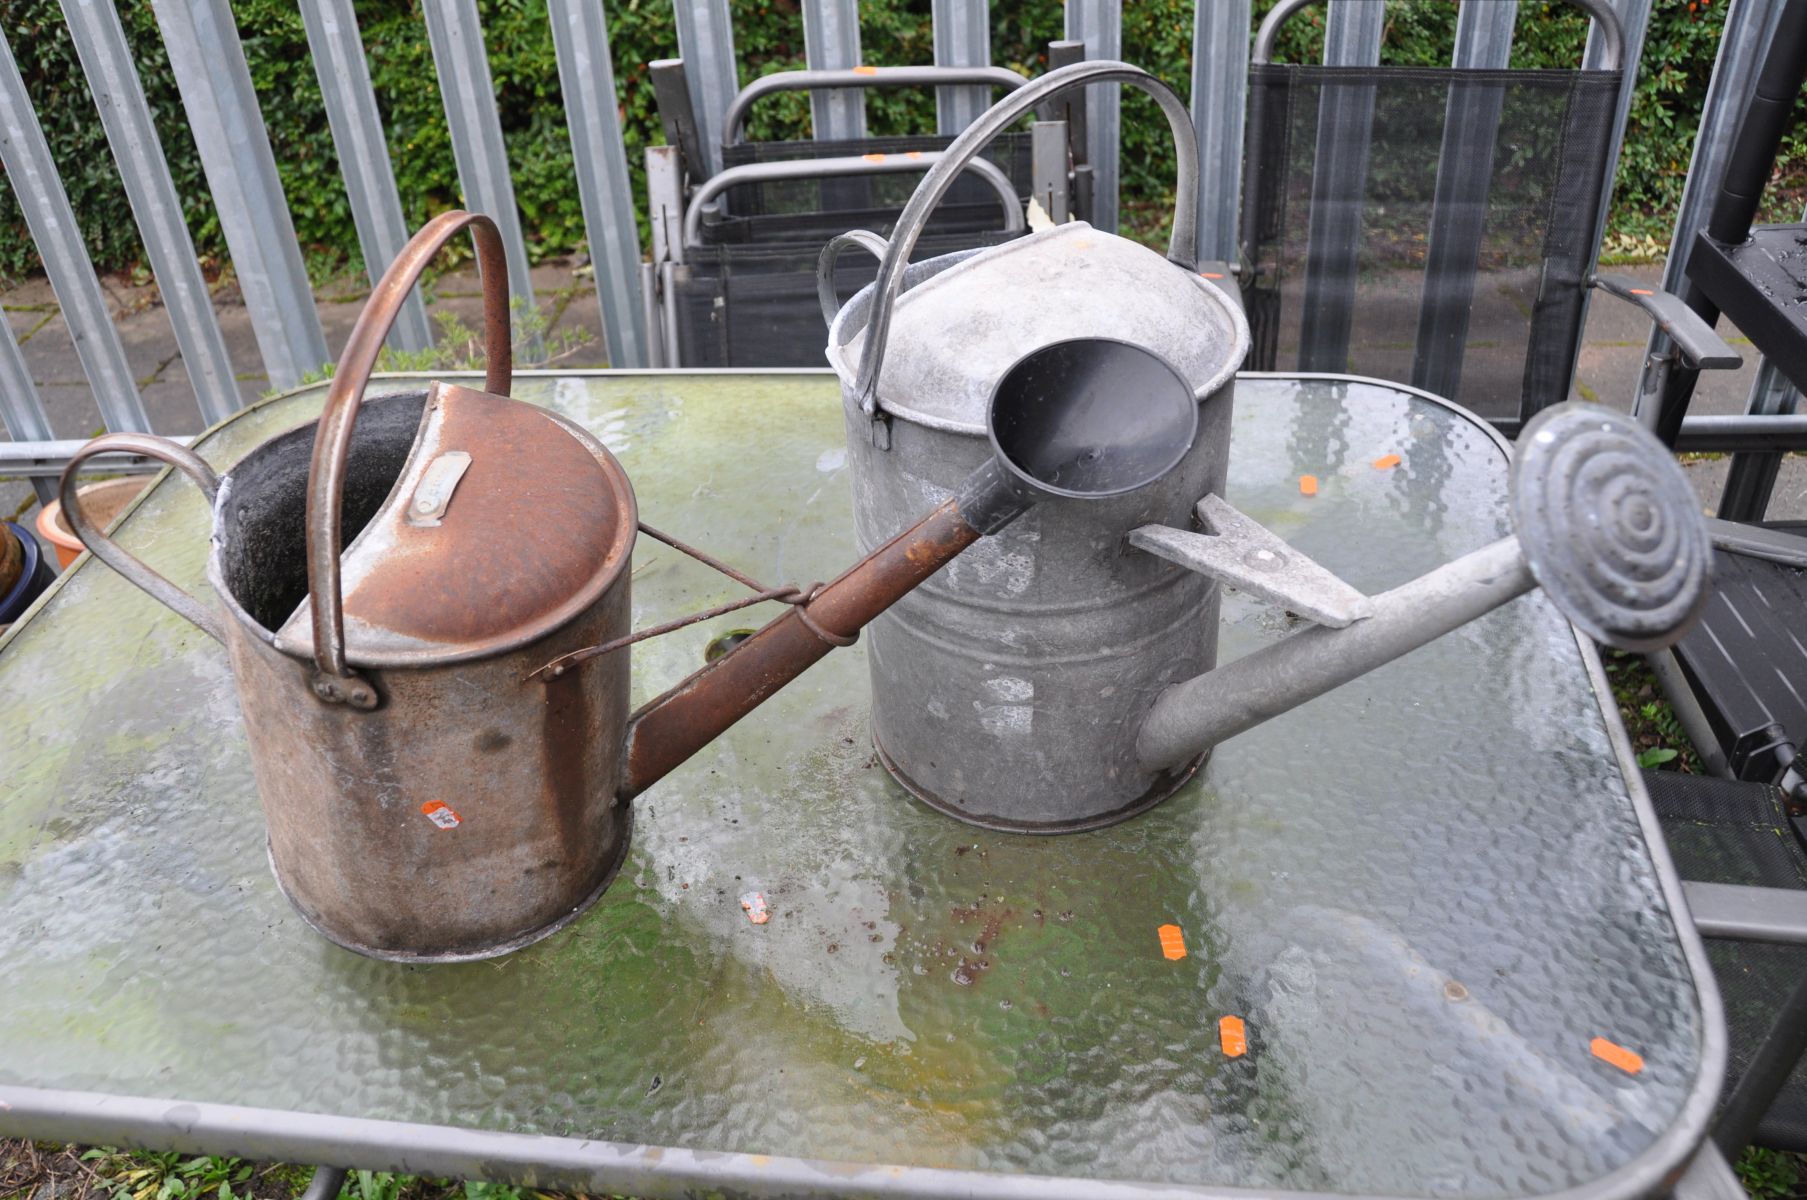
{"x": 1239, "y": 551}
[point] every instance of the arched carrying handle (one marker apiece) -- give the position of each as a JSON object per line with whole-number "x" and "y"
{"x": 333, "y": 680}
{"x": 108, "y": 551}
{"x": 866, "y": 240}
{"x": 1182, "y": 249}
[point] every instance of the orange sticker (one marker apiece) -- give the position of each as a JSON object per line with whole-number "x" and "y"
{"x": 1211, "y": 274}
{"x": 865, "y": 70}
{"x": 912, "y": 154}
{"x": 1232, "y": 1036}
{"x": 873, "y": 157}
{"x": 1308, "y": 485}
{"x": 441, "y": 814}
{"x": 1642, "y": 292}
{"x": 1628, "y": 1061}
{"x": 1386, "y": 462}
{"x": 1173, "y": 942}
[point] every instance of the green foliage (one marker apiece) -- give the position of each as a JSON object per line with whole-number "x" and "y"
{"x": 147, "y": 1175}
{"x": 1678, "y": 58}
{"x": 1657, "y": 738}
{"x": 1772, "y": 1174}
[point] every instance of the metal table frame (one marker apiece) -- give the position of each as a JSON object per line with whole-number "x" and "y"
{"x": 661, "y": 1171}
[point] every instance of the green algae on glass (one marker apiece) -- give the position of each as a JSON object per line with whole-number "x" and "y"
{"x": 1423, "y": 892}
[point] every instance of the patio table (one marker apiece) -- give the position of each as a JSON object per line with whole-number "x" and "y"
{"x": 1436, "y": 898}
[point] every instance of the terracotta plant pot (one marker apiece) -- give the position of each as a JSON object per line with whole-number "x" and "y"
{"x": 101, "y": 501}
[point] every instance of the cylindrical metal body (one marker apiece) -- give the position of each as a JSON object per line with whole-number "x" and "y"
{"x": 1008, "y": 689}
{"x": 472, "y": 811}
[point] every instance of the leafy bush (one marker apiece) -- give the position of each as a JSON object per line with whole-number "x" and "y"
{"x": 1678, "y": 60}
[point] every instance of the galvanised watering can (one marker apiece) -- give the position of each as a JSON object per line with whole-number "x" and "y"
{"x": 437, "y": 713}
{"x": 1060, "y": 677}
{"x": 1007, "y": 691}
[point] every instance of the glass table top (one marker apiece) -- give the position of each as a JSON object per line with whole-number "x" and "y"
{"x": 1424, "y": 894}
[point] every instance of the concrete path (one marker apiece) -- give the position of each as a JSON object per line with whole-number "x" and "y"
{"x": 1611, "y": 355}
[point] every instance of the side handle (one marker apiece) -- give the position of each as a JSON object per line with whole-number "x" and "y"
{"x": 866, "y": 240}
{"x": 108, "y": 551}
{"x": 1701, "y": 347}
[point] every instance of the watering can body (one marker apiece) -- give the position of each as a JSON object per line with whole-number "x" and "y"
{"x": 1008, "y": 690}
{"x": 466, "y": 815}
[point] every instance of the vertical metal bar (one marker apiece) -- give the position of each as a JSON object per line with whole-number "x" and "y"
{"x": 376, "y": 207}
{"x": 1459, "y": 212}
{"x": 126, "y": 117}
{"x": 25, "y": 155}
{"x": 831, "y": 42}
{"x": 706, "y": 43}
{"x": 1783, "y": 1047}
{"x": 677, "y": 113}
{"x": 21, "y": 408}
{"x": 456, "y": 37}
{"x": 1048, "y": 165}
{"x": 1339, "y": 179}
{"x": 209, "y": 65}
{"x": 1752, "y": 477}
{"x": 1220, "y": 89}
{"x": 586, "y": 73}
{"x": 1099, "y": 24}
{"x": 962, "y": 39}
{"x": 1749, "y": 26}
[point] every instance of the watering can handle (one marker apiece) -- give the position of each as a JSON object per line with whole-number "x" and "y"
{"x": 108, "y": 551}
{"x": 866, "y": 240}
{"x": 1181, "y": 249}
{"x": 334, "y": 681}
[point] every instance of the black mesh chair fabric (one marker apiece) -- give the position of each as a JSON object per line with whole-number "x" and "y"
{"x": 1425, "y": 225}
{"x": 746, "y": 297}
{"x": 740, "y": 306}
{"x": 803, "y": 210}
{"x": 1723, "y": 831}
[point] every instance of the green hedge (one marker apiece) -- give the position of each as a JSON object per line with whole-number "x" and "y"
{"x": 1678, "y": 59}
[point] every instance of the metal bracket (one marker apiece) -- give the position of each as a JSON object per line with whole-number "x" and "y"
{"x": 1241, "y": 552}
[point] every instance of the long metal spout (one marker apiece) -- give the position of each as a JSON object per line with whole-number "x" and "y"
{"x": 670, "y": 728}
{"x": 1191, "y": 717}
{"x": 1606, "y": 524}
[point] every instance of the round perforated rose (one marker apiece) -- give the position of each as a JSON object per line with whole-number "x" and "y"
{"x": 1609, "y": 526}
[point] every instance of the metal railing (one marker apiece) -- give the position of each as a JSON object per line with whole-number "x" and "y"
{"x": 223, "y": 113}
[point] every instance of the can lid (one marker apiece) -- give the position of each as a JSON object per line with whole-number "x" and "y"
{"x": 954, "y": 335}
{"x": 505, "y": 523}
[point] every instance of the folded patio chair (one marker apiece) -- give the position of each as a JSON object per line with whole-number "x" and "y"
{"x": 1724, "y": 832}
{"x": 735, "y": 280}
{"x": 1434, "y": 225}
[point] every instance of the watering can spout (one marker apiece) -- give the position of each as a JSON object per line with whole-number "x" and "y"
{"x": 1060, "y": 429}
{"x": 1603, "y": 520}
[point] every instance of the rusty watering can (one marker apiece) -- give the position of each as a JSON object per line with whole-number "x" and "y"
{"x": 1060, "y": 677}
{"x": 437, "y": 713}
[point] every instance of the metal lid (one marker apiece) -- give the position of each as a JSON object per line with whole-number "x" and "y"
{"x": 956, "y": 333}
{"x": 505, "y": 523}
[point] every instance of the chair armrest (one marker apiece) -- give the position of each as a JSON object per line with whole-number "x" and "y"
{"x": 1701, "y": 346}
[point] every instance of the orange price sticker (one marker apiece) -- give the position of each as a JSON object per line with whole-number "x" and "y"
{"x": 1308, "y": 485}
{"x": 1233, "y": 1036}
{"x": 1212, "y": 274}
{"x": 1173, "y": 942}
{"x": 441, "y": 814}
{"x": 1386, "y": 462}
{"x": 865, "y": 70}
{"x": 1642, "y": 292}
{"x": 874, "y": 158}
{"x": 1628, "y": 1061}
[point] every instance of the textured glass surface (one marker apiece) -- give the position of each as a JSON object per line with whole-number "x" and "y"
{"x": 1424, "y": 894}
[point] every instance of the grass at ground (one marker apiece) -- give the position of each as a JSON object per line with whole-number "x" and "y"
{"x": 51, "y": 1171}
